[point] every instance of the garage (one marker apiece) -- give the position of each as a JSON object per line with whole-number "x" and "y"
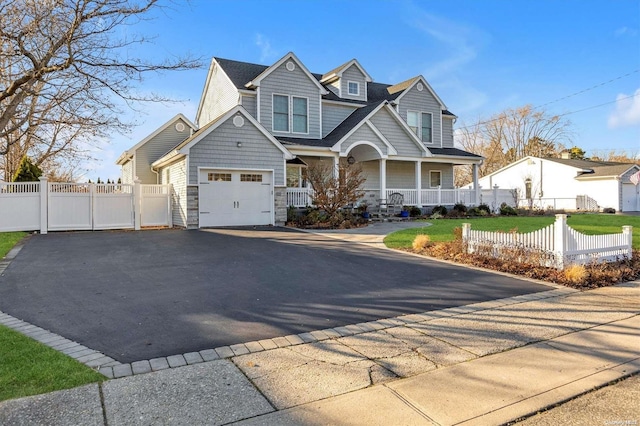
{"x": 235, "y": 197}
{"x": 630, "y": 197}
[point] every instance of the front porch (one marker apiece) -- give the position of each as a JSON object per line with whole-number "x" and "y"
{"x": 302, "y": 197}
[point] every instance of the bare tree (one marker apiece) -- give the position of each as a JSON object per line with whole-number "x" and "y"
{"x": 618, "y": 156}
{"x": 66, "y": 73}
{"x": 332, "y": 192}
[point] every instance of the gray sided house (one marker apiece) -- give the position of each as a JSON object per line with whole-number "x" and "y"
{"x": 259, "y": 126}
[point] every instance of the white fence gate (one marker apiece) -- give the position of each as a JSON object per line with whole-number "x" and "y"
{"x": 558, "y": 244}
{"x": 51, "y": 206}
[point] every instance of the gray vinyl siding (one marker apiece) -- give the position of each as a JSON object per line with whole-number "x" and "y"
{"x": 249, "y": 103}
{"x": 625, "y": 176}
{"x": 395, "y": 134}
{"x": 220, "y": 97}
{"x": 447, "y": 133}
{"x": 292, "y": 83}
{"x": 353, "y": 74}
{"x": 371, "y": 171}
{"x": 423, "y": 102}
{"x": 333, "y": 115}
{"x": 219, "y": 149}
{"x": 155, "y": 148}
{"x": 364, "y": 133}
{"x": 178, "y": 181}
{"x": 127, "y": 172}
{"x": 447, "y": 175}
{"x": 401, "y": 175}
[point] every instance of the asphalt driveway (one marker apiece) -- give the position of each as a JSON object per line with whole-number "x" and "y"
{"x": 140, "y": 295}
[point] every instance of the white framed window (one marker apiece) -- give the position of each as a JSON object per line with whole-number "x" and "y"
{"x": 280, "y": 113}
{"x": 219, "y": 177}
{"x": 421, "y": 123}
{"x": 300, "y": 114}
{"x": 435, "y": 178}
{"x": 353, "y": 88}
{"x": 246, "y": 177}
{"x": 296, "y": 176}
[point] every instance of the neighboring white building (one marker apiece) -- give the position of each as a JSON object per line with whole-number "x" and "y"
{"x": 569, "y": 184}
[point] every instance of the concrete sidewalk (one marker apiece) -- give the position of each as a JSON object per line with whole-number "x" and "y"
{"x": 487, "y": 363}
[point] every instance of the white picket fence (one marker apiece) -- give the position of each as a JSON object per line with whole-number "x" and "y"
{"x": 54, "y": 206}
{"x": 557, "y": 245}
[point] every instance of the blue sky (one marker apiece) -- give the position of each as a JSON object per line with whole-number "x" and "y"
{"x": 481, "y": 57}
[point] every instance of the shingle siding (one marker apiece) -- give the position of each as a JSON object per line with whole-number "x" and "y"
{"x": 447, "y": 133}
{"x": 447, "y": 174}
{"x": 292, "y": 83}
{"x": 364, "y": 133}
{"x": 220, "y": 97}
{"x": 127, "y": 172}
{"x": 423, "y": 101}
{"x": 333, "y": 115}
{"x": 178, "y": 180}
{"x": 395, "y": 134}
{"x": 353, "y": 74}
{"x": 249, "y": 103}
{"x": 156, "y": 148}
{"x": 220, "y": 149}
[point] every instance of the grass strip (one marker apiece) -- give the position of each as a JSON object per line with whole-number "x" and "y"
{"x": 8, "y": 240}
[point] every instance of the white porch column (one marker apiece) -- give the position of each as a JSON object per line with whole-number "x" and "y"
{"x": 476, "y": 187}
{"x": 336, "y": 166}
{"x": 383, "y": 179}
{"x": 419, "y": 183}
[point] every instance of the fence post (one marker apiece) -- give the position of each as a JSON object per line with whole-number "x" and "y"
{"x": 466, "y": 229}
{"x": 560, "y": 240}
{"x": 170, "y": 205}
{"x": 137, "y": 204}
{"x": 495, "y": 198}
{"x": 44, "y": 204}
{"x": 627, "y": 231}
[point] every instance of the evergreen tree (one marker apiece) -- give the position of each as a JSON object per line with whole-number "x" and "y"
{"x": 27, "y": 171}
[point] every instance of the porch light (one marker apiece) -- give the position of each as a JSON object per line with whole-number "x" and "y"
{"x": 239, "y": 144}
{"x": 351, "y": 160}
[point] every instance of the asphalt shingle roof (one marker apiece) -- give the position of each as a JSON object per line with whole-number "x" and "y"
{"x": 595, "y": 168}
{"x": 453, "y": 151}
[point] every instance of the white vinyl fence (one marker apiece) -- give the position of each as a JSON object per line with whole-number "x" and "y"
{"x": 557, "y": 245}
{"x": 53, "y": 206}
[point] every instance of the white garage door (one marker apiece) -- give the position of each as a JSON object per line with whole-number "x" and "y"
{"x": 235, "y": 197}
{"x": 630, "y": 197}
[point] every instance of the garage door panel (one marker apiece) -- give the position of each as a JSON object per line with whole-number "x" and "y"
{"x": 235, "y": 198}
{"x": 630, "y": 197}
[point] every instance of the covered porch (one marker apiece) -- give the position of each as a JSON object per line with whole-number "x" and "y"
{"x": 422, "y": 182}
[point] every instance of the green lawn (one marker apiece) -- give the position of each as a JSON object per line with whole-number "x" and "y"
{"x": 28, "y": 367}
{"x": 8, "y": 240}
{"x": 442, "y": 229}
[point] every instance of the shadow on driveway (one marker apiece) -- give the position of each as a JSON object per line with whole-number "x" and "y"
{"x": 140, "y": 295}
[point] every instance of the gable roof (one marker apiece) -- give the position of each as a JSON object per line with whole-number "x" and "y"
{"x": 337, "y": 72}
{"x": 254, "y": 82}
{"x": 407, "y": 85}
{"x": 122, "y": 159}
{"x": 182, "y": 148}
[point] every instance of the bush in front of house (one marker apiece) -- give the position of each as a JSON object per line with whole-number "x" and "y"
{"x": 440, "y": 210}
{"x": 507, "y": 210}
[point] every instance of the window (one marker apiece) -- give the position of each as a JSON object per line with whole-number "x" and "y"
{"x": 245, "y": 177}
{"x": 435, "y": 178}
{"x": 280, "y": 113}
{"x": 426, "y": 127}
{"x": 413, "y": 120}
{"x": 219, "y": 177}
{"x": 353, "y": 88}
{"x": 527, "y": 188}
{"x": 421, "y": 123}
{"x": 296, "y": 177}
{"x": 300, "y": 115}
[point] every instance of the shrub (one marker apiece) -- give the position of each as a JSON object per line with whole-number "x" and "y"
{"x": 415, "y": 211}
{"x": 436, "y": 215}
{"x": 421, "y": 241}
{"x": 608, "y": 210}
{"x": 507, "y": 210}
{"x": 442, "y": 210}
{"x": 576, "y": 274}
{"x": 460, "y": 208}
{"x": 484, "y": 207}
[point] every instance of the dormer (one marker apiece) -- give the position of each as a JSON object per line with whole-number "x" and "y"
{"x": 348, "y": 81}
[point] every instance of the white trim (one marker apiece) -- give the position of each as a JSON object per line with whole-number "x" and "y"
{"x": 345, "y": 67}
{"x": 258, "y": 106}
{"x": 293, "y": 113}
{"x": 342, "y": 103}
{"x": 165, "y": 126}
{"x": 320, "y": 112}
{"x": 364, "y": 142}
{"x": 357, "y": 83}
{"x": 419, "y": 134}
{"x": 431, "y": 186}
{"x": 289, "y": 56}
{"x": 427, "y": 86}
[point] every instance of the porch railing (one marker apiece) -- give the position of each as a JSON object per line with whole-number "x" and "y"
{"x": 299, "y": 197}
